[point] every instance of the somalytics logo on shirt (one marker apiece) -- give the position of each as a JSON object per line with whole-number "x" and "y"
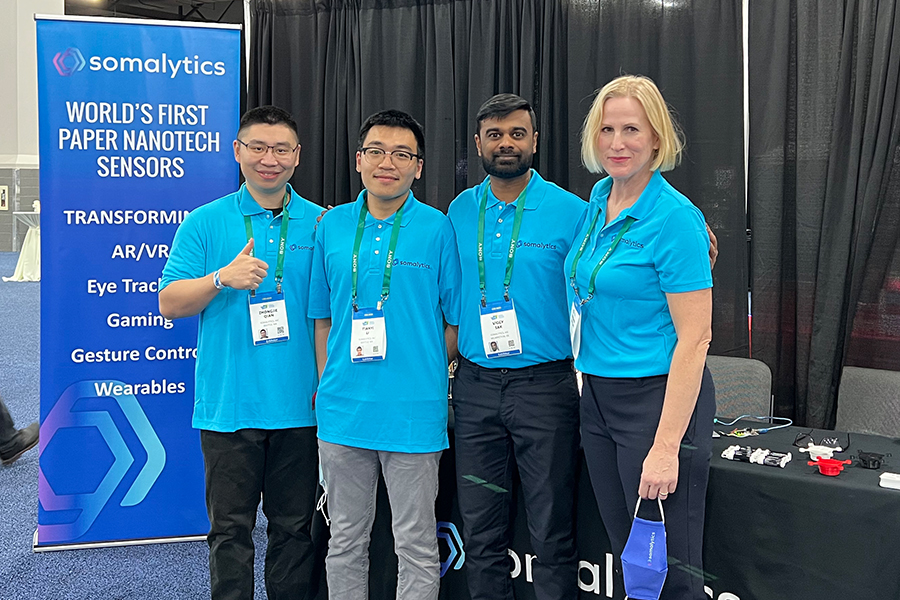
{"x": 535, "y": 245}
{"x": 409, "y": 263}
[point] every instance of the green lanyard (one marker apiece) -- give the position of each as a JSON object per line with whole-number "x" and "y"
{"x": 625, "y": 227}
{"x": 513, "y": 242}
{"x": 285, "y": 217}
{"x": 389, "y": 260}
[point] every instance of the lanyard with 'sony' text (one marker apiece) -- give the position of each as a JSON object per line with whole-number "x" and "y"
{"x": 389, "y": 260}
{"x": 628, "y": 221}
{"x": 513, "y": 242}
{"x": 285, "y": 217}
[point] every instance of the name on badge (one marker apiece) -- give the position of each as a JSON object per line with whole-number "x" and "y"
{"x": 268, "y": 319}
{"x": 500, "y": 329}
{"x": 368, "y": 337}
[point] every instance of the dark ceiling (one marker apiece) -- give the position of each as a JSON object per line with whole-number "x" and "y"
{"x": 221, "y": 11}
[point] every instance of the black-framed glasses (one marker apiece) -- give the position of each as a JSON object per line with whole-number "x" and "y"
{"x": 281, "y": 151}
{"x": 803, "y": 439}
{"x": 399, "y": 158}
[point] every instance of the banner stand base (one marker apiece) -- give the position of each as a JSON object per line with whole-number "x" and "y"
{"x": 113, "y": 544}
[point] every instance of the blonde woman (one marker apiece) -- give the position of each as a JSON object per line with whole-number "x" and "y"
{"x": 641, "y": 305}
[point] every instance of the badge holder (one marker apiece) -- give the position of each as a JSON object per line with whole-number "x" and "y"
{"x": 268, "y": 311}
{"x": 500, "y": 328}
{"x": 575, "y": 326}
{"x": 268, "y": 318}
{"x": 577, "y": 303}
{"x": 368, "y": 336}
{"x": 368, "y": 340}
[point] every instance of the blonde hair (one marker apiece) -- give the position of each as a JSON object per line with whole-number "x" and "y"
{"x": 664, "y": 126}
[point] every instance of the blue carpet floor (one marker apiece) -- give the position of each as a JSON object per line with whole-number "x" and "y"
{"x": 157, "y": 571}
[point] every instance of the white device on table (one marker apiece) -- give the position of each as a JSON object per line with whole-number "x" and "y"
{"x": 816, "y": 451}
{"x": 890, "y": 480}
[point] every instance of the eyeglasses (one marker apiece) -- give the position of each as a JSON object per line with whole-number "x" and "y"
{"x": 400, "y": 158}
{"x": 278, "y": 151}
{"x": 802, "y": 439}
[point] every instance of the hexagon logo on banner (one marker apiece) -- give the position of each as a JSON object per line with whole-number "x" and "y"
{"x": 89, "y": 504}
{"x": 457, "y": 556}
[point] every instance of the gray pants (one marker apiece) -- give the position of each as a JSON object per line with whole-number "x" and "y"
{"x": 350, "y": 480}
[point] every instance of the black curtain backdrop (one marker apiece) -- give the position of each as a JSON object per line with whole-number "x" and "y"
{"x": 334, "y": 62}
{"x": 823, "y": 194}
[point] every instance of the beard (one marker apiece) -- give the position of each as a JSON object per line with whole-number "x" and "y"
{"x": 509, "y": 169}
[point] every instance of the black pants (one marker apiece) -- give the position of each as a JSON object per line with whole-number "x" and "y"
{"x": 280, "y": 464}
{"x": 527, "y": 418}
{"x": 619, "y": 418}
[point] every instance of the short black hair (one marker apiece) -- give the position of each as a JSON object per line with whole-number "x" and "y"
{"x": 393, "y": 118}
{"x": 269, "y": 115}
{"x": 502, "y": 105}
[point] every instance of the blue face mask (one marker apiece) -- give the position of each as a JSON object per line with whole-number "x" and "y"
{"x": 644, "y": 564}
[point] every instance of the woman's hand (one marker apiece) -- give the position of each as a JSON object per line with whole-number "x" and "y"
{"x": 691, "y": 315}
{"x": 713, "y": 247}
{"x": 659, "y": 476}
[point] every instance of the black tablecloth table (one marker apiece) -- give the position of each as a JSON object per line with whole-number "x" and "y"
{"x": 771, "y": 533}
{"x": 775, "y": 533}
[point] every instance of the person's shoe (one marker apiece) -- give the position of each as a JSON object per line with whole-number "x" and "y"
{"x": 26, "y": 439}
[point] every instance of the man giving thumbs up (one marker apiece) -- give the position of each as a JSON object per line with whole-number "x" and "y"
{"x": 242, "y": 263}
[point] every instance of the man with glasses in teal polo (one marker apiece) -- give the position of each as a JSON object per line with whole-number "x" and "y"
{"x": 242, "y": 263}
{"x": 385, "y": 279}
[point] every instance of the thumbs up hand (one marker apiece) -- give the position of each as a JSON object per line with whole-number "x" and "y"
{"x": 245, "y": 272}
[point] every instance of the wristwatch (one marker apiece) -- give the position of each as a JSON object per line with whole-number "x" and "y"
{"x": 218, "y": 282}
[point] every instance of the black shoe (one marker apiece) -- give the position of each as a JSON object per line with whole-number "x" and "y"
{"x": 26, "y": 439}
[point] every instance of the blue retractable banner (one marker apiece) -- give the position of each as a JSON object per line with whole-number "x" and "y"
{"x": 136, "y": 127}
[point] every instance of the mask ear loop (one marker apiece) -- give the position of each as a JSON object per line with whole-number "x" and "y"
{"x": 321, "y": 505}
{"x": 662, "y": 514}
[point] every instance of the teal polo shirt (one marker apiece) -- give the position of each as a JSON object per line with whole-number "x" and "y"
{"x": 398, "y": 404}
{"x": 239, "y": 385}
{"x": 551, "y": 218}
{"x": 626, "y": 329}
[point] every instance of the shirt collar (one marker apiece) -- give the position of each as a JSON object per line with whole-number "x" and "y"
{"x": 533, "y": 197}
{"x": 644, "y": 204}
{"x": 249, "y": 207}
{"x": 409, "y": 210}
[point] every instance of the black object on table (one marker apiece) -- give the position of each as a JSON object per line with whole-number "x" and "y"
{"x": 775, "y": 533}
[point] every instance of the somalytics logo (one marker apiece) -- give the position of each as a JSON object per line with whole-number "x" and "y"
{"x": 536, "y": 245}
{"x": 68, "y": 62}
{"x": 410, "y": 263}
{"x": 72, "y": 60}
{"x": 66, "y": 430}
